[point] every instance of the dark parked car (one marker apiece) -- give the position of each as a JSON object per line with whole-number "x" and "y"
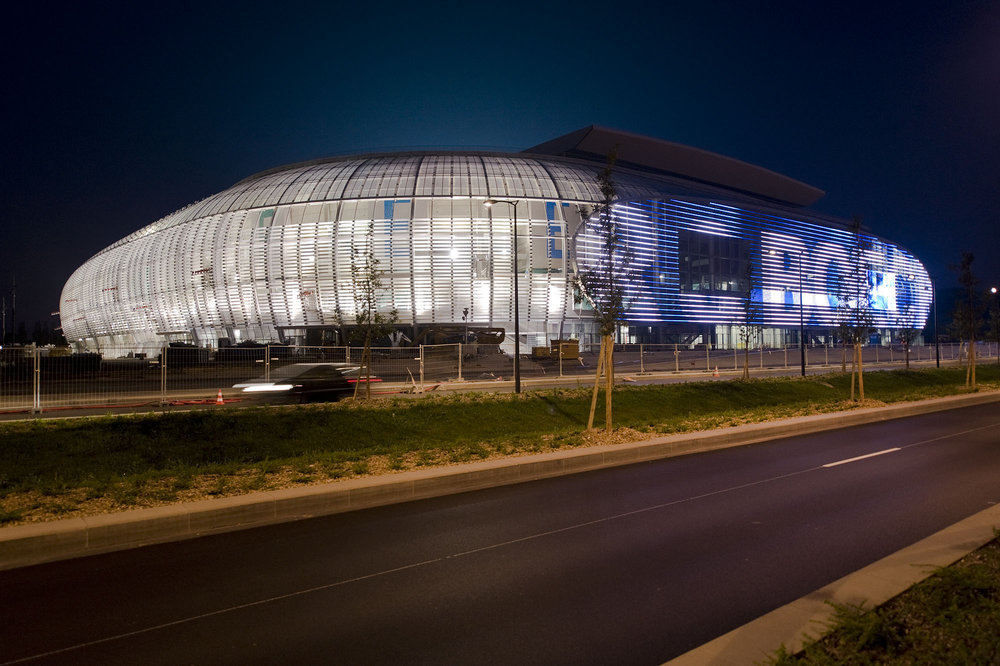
{"x": 305, "y": 381}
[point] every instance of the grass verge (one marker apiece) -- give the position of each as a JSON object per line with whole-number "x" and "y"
{"x": 64, "y": 468}
{"x": 952, "y": 617}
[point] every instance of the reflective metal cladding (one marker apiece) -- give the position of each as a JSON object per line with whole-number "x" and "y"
{"x": 269, "y": 258}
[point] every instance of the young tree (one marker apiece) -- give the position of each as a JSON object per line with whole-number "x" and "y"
{"x": 370, "y": 323}
{"x": 907, "y": 336}
{"x": 854, "y": 309}
{"x": 906, "y": 333}
{"x": 752, "y": 320}
{"x": 602, "y": 281}
{"x": 843, "y": 334}
{"x": 969, "y": 314}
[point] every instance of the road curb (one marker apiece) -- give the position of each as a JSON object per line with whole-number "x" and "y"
{"x": 36, "y": 543}
{"x": 757, "y": 641}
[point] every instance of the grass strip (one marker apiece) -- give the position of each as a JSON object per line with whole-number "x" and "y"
{"x": 49, "y": 469}
{"x": 952, "y": 617}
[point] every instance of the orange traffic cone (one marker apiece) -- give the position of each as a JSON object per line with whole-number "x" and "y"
{"x": 218, "y": 398}
{"x": 716, "y": 371}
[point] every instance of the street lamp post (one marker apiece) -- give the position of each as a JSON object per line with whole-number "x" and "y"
{"x": 996, "y": 328}
{"x": 802, "y": 321}
{"x": 517, "y": 318}
{"x": 802, "y": 318}
{"x": 937, "y": 338}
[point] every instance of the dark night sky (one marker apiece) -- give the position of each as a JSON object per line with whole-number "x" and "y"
{"x": 118, "y": 114}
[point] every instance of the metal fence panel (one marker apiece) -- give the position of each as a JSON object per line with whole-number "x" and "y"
{"x": 33, "y": 380}
{"x": 16, "y": 378}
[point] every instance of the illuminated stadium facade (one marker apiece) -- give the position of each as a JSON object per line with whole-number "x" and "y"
{"x": 269, "y": 259}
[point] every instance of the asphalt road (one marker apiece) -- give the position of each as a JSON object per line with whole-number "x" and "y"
{"x": 633, "y": 564}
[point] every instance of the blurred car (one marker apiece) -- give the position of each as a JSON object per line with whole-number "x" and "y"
{"x": 304, "y": 382}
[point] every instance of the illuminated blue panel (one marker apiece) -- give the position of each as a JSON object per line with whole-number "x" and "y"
{"x": 693, "y": 262}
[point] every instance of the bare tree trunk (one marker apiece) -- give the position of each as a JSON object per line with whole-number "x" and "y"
{"x": 972, "y": 363}
{"x": 968, "y": 368}
{"x": 861, "y": 375}
{"x": 854, "y": 367}
{"x": 365, "y": 369}
{"x": 746, "y": 362}
{"x": 597, "y": 384}
{"x": 609, "y": 373}
{"x": 368, "y": 369}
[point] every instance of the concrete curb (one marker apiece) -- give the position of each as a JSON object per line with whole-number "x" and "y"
{"x": 875, "y": 584}
{"x": 35, "y": 543}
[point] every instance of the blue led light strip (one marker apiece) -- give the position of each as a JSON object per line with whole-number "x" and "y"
{"x": 834, "y": 263}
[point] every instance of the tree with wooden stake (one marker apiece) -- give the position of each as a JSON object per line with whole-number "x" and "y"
{"x": 969, "y": 314}
{"x": 370, "y": 323}
{"x": 854, "y": 309}
{"x": 602, "y": 281}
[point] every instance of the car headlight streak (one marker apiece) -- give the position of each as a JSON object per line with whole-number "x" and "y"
{"x": 265, "y": 388}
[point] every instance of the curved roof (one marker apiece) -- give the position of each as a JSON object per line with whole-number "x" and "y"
{"x": 646, "y": 153}
{"x": 406, "y": 175}
{"x": 564, "y": 168}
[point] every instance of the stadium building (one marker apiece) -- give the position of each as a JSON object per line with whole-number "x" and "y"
{"x": 269, "y": 259}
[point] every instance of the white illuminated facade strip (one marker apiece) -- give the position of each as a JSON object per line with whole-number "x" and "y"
{"x": 269, "y": 258}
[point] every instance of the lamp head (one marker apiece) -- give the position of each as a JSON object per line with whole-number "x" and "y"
{"x": 489, "y": 202}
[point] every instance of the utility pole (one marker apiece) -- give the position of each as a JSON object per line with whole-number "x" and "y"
{"x": 937, "y": 338}
{"x": 489, "y": 203}
{"x": 802, "y": 324}
{"x": 996, "y": 321}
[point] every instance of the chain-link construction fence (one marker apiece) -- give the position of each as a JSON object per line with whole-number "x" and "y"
{"x": 35, "y": 379}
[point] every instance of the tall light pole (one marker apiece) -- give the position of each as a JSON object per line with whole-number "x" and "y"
{"x": 802, "y": 321}
{"x": 937, "y": 338}
{"x": 996, "y": 328}
{"x": 13, "y": 308}
{"x": 489, "y": 203}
